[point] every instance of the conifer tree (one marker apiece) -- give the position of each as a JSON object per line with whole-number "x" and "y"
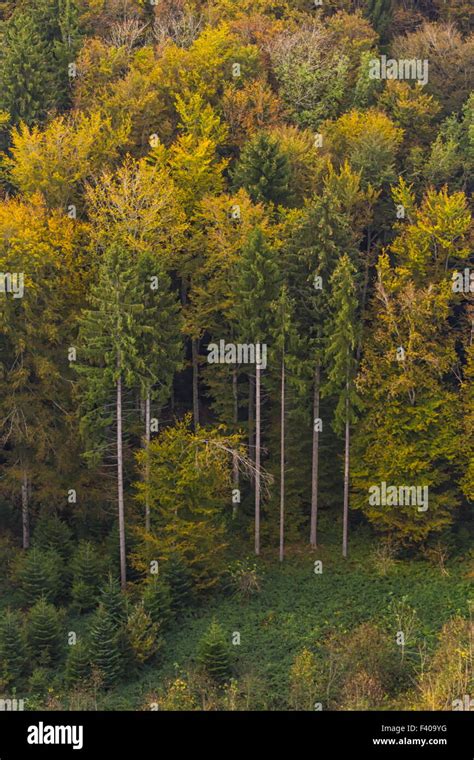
{"x": 257, "y": 287}
{"x": 342, "y": 364}
{"x": 44, "y": 632}
{"x": 13, "y": 648}
{"x": 106, "y": 654}
{"x": 112, "y": 359}
{"x": 157, "y": 600}
{"x": 213, "y": 653}
{"x": 39, "y": 574}
{"x": 52, "y": 533}
{"x": 179, "y": 580}
{"x": 87, "y": 571}
{"x": 263, "y": 170}
{"x": 113, "y": 601}
{"x": 78, "y": 663}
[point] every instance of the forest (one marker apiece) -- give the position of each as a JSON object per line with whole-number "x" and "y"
{"x": 236, "y": 355}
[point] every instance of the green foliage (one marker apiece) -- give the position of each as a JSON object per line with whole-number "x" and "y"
{"x": 78, "y": 665}
{"x": 87, "y": 567}
{"x": 40, "y": 574}
{"x": 51, "y": 533}
{"x": 13, "y": 648}
{"x": 263, "y": 170}
{"x": 45, "y": 633}
{"x": 157, "y": 600}
{"x": 213, "y": 653}
{"x": 105, "y": 647}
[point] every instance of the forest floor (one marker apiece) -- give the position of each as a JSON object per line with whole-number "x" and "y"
{"x": 298, "y": 608}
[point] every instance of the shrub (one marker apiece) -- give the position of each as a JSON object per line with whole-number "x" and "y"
{"x": 213, "y": 653}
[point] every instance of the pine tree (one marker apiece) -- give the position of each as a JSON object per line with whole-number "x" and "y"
{"x": 263, "y": 170}
{"x": 44, "y": 632}
{"x": 177, "y": 576}
{"x": 113, "y": 601}
{"x": 51, "y": 533}
{"x": 39, "y": 574}
{"x": 157, "y": 601}
{"x": 106, "y": 654}
{"x": 213, "y": 653}
{"x": 257, "y": 287}
{"x": 78, "y": 663}
{"x": 87, "y": 571}
{"x": 26, "y": 81}
{"x": 113, "y": 358}
{"x": 380, "y": 15}
{"x": 342, "y": 365}
{"x": 13, "y": 648}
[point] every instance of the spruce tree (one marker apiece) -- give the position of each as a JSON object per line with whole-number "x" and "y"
{"x": 263, "y": 170}
{"x": 257, "y": 288}
{"x": 113, "y": 359}
{"x": 13, "y": 648}
{"x": 78, "y": 663}
{"x": 87, "y": 571}
{"x": 340, "y": 357}
{"x": 106, "y": 654}
{"x": 157, "y": 601}
{"x": 113, "y": 601}
{"x": 52, "y": 533}
{"x": 179, "y": 579}
{"x": 39, "y": 575}
{"x": 213, "y": 653}
{"x": 44, "y": 632}
{"x": 26, "y": 81}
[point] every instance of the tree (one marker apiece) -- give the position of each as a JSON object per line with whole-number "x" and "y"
{"x": 106, "y": 653}
{"x": 87, "y": 571}
{"x": 142, "y": 635}
{"x": 340, "y": 356}
{"x": 44, "y": 631}
{"x": 78, "y": 665}
{"x": 187, "y": 504}
{"x": 157, "y": 600}
{"x": 26, "y": 80}
{"x": 257, "y": 285}
{"x": 53, "y": 534}
{"x": 13, "y": 648}
{"x": 380, "y": 14}
{"x": 213, "y": 653}
{"x": 112, "y": 358}
{"x": 39, "y": 575}
{"x": 263, "y": 170}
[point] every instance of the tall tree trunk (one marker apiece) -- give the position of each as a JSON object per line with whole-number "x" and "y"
{"x": 345, "y": 519}
{"x": 251, "y": 415}
{"x": 195, "y": 353}
{"x": 121, "y": 508}
{"x": 315, "y": 459}
{"x": 282, "y": 463}
{"x": 257, "y": 460}
{"x": 235, "y": 460}
{"x": 147, "y": 460}
{"x": 25, "y": 512}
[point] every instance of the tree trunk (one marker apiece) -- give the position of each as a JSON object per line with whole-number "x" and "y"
{"x": 147, "y": 461}
{"x": 195, "y": 352}
{"x": 121, "y": 509}
{"x": 315, "y": 460}
{"x": 235, "y": 460}
{"x": 282, "y": 463}
{"x": 25, "y": 513}
{"x": 251, "y": 416}
{"x": 345, "y": 519}
{"x": 257, "y": 461}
